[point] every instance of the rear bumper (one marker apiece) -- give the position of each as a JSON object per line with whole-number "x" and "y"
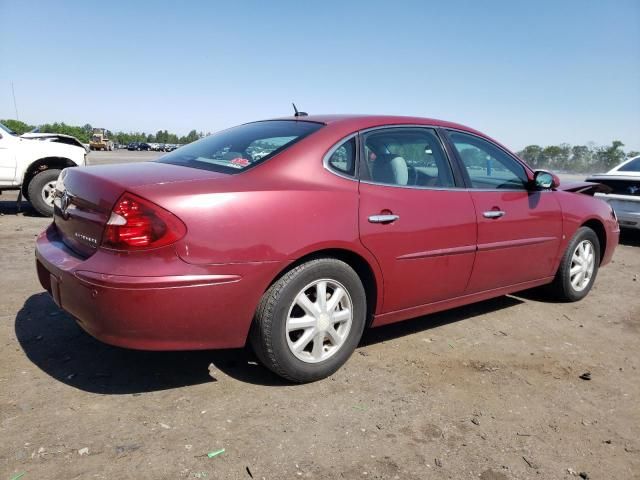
{"x": 191, "y": 308}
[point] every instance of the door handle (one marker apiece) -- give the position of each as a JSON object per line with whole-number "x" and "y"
{"x": 493, "y": 214}
{"x": 383, "y": 218}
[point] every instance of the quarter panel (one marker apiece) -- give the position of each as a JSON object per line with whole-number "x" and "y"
{"x": 264, "y": 226}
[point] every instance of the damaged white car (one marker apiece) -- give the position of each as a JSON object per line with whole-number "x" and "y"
{"x": 32, "y": 162}
{"x": 624, "y": 197}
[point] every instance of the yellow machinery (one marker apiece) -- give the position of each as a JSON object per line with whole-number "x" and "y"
{"x": 99, "y": 140}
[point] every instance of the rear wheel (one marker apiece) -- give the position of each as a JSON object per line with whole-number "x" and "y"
{"x": 41, "y": 189}
{"x": 578, "y": 267}
{"x": 310, "y": 321}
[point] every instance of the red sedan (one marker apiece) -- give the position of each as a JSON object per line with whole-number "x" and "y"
{"x": 296, "y": 234}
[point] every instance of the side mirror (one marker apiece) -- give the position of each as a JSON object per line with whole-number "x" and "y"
{"x": 543, "y": 180}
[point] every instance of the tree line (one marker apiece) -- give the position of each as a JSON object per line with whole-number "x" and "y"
{"x": 564, "y": 157}
{"x": 84, "y": 133}
{"x": 577, "y": 158}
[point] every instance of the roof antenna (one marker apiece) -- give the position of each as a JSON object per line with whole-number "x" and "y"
{"x": 298, "y": 114}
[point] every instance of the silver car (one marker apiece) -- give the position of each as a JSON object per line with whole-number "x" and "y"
{"x": 624, "y": 198}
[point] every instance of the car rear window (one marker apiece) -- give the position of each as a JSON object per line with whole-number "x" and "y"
{"x": 239, "y": 148}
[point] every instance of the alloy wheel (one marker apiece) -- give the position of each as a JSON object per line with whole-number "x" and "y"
{"x": 319, "y": 321}
{"x": 582, "y": 265}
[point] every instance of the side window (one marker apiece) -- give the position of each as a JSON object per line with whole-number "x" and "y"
{"x": 487, "y": 165}
{"x": 410, "y": 157}
{"x": 343, "y": 159}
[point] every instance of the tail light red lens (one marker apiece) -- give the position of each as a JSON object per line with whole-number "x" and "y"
{"x": 136, "y": 224}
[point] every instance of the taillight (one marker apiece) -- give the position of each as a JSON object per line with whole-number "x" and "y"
{"x": 136, "y": 223}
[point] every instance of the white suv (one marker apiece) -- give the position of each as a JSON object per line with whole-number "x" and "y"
{"x": 32, "y": 162}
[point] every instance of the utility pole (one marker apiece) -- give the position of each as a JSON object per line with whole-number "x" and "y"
{"x": 15, "y": 105}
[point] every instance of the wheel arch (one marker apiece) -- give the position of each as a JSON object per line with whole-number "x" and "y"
{"x": 598, "y": 227}
{"x": 371, "y": 279}
{"x": 42, "y": 164}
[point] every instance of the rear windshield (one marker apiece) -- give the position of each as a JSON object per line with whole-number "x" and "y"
{"x": 239, "y": 148}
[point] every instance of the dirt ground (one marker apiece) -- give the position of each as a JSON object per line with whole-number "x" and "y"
{"x": 489, "y": 391}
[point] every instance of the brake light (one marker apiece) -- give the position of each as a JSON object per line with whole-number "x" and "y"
{"x": 136, "y": 223}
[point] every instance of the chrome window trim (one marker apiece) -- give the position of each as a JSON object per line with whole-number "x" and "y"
{"x": 456, "y": 189}
{"x": 412, "y": 187}
{"x": 332, "y": 150}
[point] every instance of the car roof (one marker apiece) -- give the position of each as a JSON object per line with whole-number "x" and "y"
{"x": 360, "y": 122}
{"x": 345, "y": 124}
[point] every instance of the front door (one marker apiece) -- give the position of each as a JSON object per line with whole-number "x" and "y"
{"x": 519, "y": 229}
{"x": 7, "y": 159}
{"x": 416, "y": 222}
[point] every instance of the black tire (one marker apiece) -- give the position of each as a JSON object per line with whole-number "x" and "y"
{"x": 268, "y": 335}
{"x": 562, "y": 288}
{"x": 35, "y": 190}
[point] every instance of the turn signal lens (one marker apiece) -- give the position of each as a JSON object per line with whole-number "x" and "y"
{"x": 136, "y": 223}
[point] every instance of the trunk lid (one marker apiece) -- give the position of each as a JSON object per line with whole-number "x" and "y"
{"x": 587, "y": 188}
{"x": 618, "y": 184}
{"x": 85, "y": 197}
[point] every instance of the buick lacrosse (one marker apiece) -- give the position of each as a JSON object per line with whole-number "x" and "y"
{"x": 294, "y": 235}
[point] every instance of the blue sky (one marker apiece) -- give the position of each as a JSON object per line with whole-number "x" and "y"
{"x": 524, "y": 72}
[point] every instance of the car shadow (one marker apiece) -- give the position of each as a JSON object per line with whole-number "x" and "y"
{"x": 630, "y": 237}
{"x": 11, "y": 207}
{"x": 427, "y": 322}
{"x": 54, "y": 342}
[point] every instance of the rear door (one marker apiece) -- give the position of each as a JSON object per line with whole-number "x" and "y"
{"x": 519, "y": 229}
{"x": 413, "y": 217}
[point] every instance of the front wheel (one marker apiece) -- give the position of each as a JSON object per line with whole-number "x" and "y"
{"x": 310, "y": 321}
{"x": 41, "y": 189}
{"x": 578, "y": 267}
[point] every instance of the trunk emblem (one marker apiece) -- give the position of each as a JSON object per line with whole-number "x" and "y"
{"x": 65, "y": 200}
{"x": 90, "y": 240}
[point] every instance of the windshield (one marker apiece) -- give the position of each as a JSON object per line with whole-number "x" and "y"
{"x": 632, "y": 166}
{"x": 7, "y": 130}
{"x": 239, "y": 148}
